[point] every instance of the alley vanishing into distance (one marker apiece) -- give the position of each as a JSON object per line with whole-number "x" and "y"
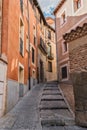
{"x": 42, "y": 108}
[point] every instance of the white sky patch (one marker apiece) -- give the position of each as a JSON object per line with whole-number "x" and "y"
{"x": 48, "y": 6}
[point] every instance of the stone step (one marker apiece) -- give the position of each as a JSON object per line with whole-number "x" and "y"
{"x": 53, "y": 92}
{"x": 55, "y": 113}
{"x": 51, "y": 88}
{"x": 51, "y": 97}
{"x": 53, "y": 105}
{"x": 57, "y": 121}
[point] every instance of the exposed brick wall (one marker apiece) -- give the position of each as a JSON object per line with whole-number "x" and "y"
{"x": 78, "y": 54}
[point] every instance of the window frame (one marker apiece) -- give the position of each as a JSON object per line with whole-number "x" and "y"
{"x": 50, "y": 68}
{"x": 65, "y": 65}
{"x": 63, "y": 48}
{"x": 81, "y": 6}
{"x": 21, "y": 37}
{"x": 33, "y": 56}
{"x": 61, "y": 18}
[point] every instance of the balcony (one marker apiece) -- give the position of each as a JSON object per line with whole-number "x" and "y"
{"x": 50, "y": 56}
{"x": 42, "y": 46}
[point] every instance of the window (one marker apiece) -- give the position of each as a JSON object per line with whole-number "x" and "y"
{"x": 27, "y": 43}
{"x": 49, "y": 66}
{"x": 64, "y": 72}
{"x": 34, "y": 33}
{"x": 49, "y": 34}
{"x": 77, "y": 4}
{"x": 49, "y": 50}
{"x": 21, "y": 46}
{"x": 63, "y": 18}
{"x": 21, "y": 74}
{"x": 34, "y": 40}
{"x": 33, "y": 57}
{"x": 21, "y": 38}
{"x": 65, "y": 47}
{"x": 21, "y": 5}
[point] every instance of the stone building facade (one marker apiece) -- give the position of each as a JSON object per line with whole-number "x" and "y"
{"x": 68, "y": 15}
{"x": 77, "y": 40}
{"x": 51, "y": 67}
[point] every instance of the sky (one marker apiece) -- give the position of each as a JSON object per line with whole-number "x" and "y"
{"x": 48, "y": 6}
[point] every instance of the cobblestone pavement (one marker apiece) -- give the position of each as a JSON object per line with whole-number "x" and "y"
{"x": 40, "y": 106}
{"x": 25, "y": 115}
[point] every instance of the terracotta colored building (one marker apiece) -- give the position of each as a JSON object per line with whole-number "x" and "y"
{"x": 17, "y": 51}
{"x": 23, "y": 50}
{"x": 68, "y": 15}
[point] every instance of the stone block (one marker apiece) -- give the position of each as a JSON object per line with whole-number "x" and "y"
{"x": 1, "y": 87}
{"x": 2, "y": 72}
{"x": 79, "y": 80}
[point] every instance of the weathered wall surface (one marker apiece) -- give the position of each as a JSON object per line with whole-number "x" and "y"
{"x": 78, "y": 54}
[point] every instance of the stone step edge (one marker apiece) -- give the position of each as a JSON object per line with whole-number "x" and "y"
{"x": 44, "y": 99}
{"x": 58, "y": 122}
{"x": 52, "y": 108}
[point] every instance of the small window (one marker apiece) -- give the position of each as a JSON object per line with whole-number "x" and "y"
{"x": 64, "y": 72}
{"x": 21, "y": 38}
{"x": 77, "y": 4}
{"x": 21, "y": 46}
{"x": 63, "y": 18}
{"x": 65, "y": 47}
{"x": 34, "y": 40}
{"x": 49, "y": 66}
{"x": 21, "y": 5}
{"x": 33, "y": 56}
{"x": 49, "y": 34}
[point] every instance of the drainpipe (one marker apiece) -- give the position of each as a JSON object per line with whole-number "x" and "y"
{"x": 56, "y": 36}
{"x": 29, "y": 45}
{"x": 1, "y": 28}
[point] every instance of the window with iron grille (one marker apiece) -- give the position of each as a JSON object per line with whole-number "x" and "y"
{"x": 49, "y": 66}
{"x": 64, "y": 72}
{"x": 33, "y": 56}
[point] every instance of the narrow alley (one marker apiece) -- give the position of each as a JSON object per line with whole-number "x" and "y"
{"x": 43, "y": 108}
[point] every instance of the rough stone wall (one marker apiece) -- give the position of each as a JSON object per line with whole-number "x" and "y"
{"x": 78, "y": 54}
